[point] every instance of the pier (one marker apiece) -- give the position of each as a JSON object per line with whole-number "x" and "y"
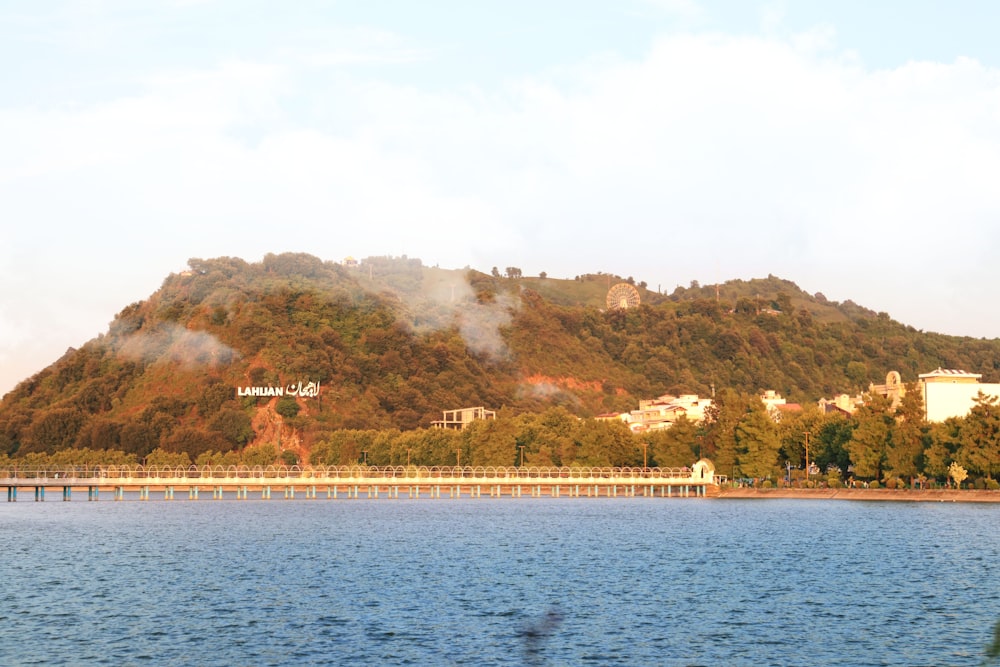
{"x": 355, "y": 482}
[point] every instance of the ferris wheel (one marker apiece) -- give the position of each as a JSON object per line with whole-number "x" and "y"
{"x": 622, "y": 296}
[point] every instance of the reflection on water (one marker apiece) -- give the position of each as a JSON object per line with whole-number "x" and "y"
{"x": 497, "y": 582}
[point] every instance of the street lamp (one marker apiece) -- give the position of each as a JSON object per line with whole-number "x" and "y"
{"x": 364, "y": 452}
{"x": 521, "y": 448}
{"x": 645, "y": 460}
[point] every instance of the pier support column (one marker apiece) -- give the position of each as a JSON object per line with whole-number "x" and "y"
{"x": 67, "y": 492}
{"x": 11, "y": 494}
{"x": 39, "y": 493}
{"x": 192, "y": 492}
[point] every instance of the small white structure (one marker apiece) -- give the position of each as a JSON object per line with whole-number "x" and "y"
{"x": 703, "y": 471}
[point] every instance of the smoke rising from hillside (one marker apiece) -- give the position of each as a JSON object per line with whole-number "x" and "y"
{"x": 449, "y": 300}
{"x": 189, "y": 349}
{"x": 480, "y": 326}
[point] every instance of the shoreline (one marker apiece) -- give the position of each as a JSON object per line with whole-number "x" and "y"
{"x": 894, "y": 495}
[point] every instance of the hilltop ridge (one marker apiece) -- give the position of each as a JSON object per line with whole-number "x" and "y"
{"x": 393, "y": 343}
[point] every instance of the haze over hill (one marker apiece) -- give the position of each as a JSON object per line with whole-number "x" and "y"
{"x": 679, "y": 140}
{"x": 393, "y": 343}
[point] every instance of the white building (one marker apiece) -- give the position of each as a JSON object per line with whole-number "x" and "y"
{"x": 661, "y": 412}
{"x": 952, "y": 393}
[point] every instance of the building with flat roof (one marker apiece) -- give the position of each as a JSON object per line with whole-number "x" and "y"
{"x": 952, "y": 393}
{"x": 662, "y": 412}
{"x": 462, "y": 417}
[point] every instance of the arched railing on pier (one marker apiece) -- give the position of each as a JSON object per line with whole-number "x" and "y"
{"x": 353, "y": 472}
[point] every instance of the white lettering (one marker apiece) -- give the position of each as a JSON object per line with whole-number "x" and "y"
{"x": 309, "y": 390}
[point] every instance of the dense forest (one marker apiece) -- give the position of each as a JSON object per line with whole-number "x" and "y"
{"x": 392, "y": 343}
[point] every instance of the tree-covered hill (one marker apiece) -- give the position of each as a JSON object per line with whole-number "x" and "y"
{"x": 392, "y": 343}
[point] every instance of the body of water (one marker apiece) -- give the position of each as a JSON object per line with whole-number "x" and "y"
{"x": 626, "y": 581}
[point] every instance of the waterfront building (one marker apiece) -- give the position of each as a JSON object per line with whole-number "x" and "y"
{"x": 952, "y": 393}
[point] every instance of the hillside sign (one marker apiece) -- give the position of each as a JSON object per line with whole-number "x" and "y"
{"x": 308, "y": 390}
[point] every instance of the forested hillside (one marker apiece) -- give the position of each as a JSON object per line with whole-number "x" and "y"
{"x": 392, "y": 343}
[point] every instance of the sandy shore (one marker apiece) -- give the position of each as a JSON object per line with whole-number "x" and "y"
{"x": 905, "y": 495}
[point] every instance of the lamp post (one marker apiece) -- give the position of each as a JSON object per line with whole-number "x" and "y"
{"x": 407, "y": 457}
{"x": 364, "y": 453}
{"x": 645, "y": 460}
{"x": 521, "y": 451}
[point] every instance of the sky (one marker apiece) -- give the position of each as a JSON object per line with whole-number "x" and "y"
{"x": 852, "y": 147}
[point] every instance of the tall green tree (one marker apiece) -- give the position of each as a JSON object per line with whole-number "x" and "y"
{"x": 905, "y": 450}
{"x": 676, "y": 446}
{"x": 871, "y": 437}
{"x": 980, "y": 443}
{"x": 757, "y": 443}
{"x": 729, "y": 408}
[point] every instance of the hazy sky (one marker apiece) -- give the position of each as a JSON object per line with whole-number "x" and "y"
{"x": 852, "y": 147}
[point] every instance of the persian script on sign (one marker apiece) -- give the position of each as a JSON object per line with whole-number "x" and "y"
{"x": 308, "y": 390}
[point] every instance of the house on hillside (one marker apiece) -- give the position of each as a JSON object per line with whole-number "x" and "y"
{"x": 841, "y": 404}
{"x": 462, "y": 417}
{"x": 776, "y": 405}
{"x": 663, "y": 412}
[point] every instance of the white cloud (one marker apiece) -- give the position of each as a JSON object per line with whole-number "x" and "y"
{"x": 712, "y": 157}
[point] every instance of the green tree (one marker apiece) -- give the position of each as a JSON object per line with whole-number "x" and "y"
{"x": 757, "y": 443}
{"x": 287, "y": 406}
{"x": 980, "y": 444}
{"x": 259, "y": 455}
{"x": 233, "y": 425}
{"x": 162, "y": 457}
{"x": 945, "y": 440}
{"x": 871, "y": 437}
{"x": 729, "y": 408}
{"x": 676, "y": 446}
{"x": 490, "y": 442}
{"x": 52, "y": 430}
{"x": 905, "y": 451}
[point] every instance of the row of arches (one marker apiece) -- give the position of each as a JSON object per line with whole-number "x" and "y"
{"x": 341, "y": 472}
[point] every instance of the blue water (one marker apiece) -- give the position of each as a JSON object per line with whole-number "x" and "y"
{"x": 497, "y": 582}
